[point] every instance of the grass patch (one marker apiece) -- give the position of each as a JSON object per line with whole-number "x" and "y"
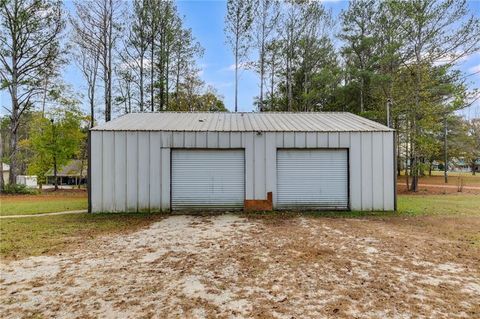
{"x": 452, "y": 217}
{"x": 30, "y": 205}
{"x": 408, "y": 205}
{"x": 22, "y": 237}
{"x": 465, "y": 205}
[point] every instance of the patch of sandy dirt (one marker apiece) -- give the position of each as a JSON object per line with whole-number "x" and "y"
{"x": 228, "y": 266}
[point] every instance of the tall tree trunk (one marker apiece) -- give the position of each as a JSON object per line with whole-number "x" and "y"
{"x": 177, "y": 80}
{"x": 54, "y": 143}
{"x": 55, "y": 171}
{"x": 13, "y": 143}
{"x": 105, "y": 59}
{"x": 44, "y": 98}
{"x": 236, "y": 72}
{"x": 14, "y": 120}
{"x": 407, "y": 154}
{"x": 141, "y": 79}
{"x": 362, "y": 106}
{"x": 110, "y": 47}
{"x": 2, "y": 182}
{"x": 161, "y": 76}
{"x": 167, "y": 76}
{"x": 152, "y": 69}
{"x": 445, "y": 152}
{"x": 92, "y": 112}
{"x": 91, "y": 95}
{"x": 272, "y": 84}
{"x": 289, "y": 87}
{"x": 262, "y": 65}
{"x": 399, "y": 168}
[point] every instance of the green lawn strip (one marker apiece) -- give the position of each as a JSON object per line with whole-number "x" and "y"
{"x": 466, "y": 205}
{"x": 30, "y": 207}
{"x": 22, "y": 237}
{"x": 408, "y": 205}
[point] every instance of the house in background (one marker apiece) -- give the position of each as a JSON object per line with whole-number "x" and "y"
{"x": 27, "y": 180}
{"x": 459, "y": 165}
{"x": 73, "y": 173}
{"x": 5, "y": 172}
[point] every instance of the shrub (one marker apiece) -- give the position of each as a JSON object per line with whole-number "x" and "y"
{"x": 18, "y": 189}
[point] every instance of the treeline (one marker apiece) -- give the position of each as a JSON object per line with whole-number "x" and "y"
{"x": 132, "y": 56}
{"x": 143, "y": 54}
{"x": 390, "y": 61}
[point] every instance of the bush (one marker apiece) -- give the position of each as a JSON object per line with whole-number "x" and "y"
{"x": 18, "y": 189}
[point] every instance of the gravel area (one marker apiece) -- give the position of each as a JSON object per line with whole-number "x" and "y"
{"x": 229, "y": 266}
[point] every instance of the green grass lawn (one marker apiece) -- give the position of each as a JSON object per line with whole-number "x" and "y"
{"x": 468, "y": 205}
{"x": 32, "y": 205}
{"x": 408, "y": 205}
{"x": 31, "y": 236}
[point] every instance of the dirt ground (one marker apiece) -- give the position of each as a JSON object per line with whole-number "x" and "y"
{"x": 432, "y": 189}
{"x": 228, "y": 266}
{"x": 47, "y": 195}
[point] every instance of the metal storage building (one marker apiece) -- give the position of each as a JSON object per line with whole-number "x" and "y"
{"x": 172, "y": 161}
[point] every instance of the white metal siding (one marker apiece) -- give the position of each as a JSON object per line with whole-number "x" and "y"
{"x": 312, "y": 178}
{"x": 208, "y": 179}
{"x": 369, "y": 182}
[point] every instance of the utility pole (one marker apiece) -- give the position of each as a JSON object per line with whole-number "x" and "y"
{"x": 54, "y": 145}
{"x": 445, "y": 153}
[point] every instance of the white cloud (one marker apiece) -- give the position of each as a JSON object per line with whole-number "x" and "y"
{"x": 241, "y": 66}
{"x": 474, "y": 69}
{"x": 455, "y": 57}
{"x": 220, "y": 85}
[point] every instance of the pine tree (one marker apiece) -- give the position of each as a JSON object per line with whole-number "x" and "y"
{"x": 238, "y": 25}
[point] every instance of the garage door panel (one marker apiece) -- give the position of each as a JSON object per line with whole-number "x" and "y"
{"x": 208, "y": 179}
{"x": 312, "y": 179}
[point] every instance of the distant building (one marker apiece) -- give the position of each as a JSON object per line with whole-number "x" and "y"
{"x": 5, "y": 172}
{"x": 460, "y": 165}
{"x": 476, "y": 167}
{"x": 27, "y": 180}
{"x": 73, "y": 173}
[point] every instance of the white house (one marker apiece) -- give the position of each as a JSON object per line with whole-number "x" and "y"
{"x": 5, "y": 172}
{"x": 174, "y": 161}
{"x": 27, "y": 180}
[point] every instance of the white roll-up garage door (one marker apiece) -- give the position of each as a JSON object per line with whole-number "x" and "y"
{"x": 208, "y": 179}
{"x": 312, "y": 179}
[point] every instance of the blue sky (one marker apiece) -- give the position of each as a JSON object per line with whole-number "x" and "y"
{"x": 206, "y": 18}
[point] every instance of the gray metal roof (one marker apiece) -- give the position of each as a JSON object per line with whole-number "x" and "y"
{"x": 71, "y": 169}
{"x": 243, "y": 122}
